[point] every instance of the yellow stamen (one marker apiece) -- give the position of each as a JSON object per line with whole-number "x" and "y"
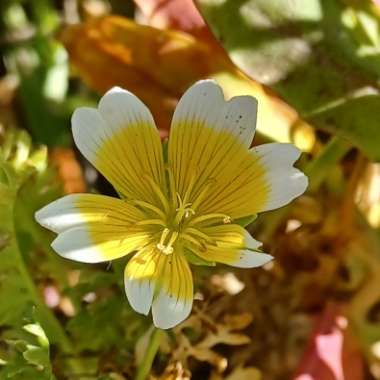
{"x": 149, "y": 207}
{"x": 167, "y": 249}
{"x": 189, "y": 212}
{"x": 226, "y": 218}
{"x": 183, "y": 210}
{"x": 180, "y": 203}
{"x": 158, "y": 222}
{"x": 164, "y": 235}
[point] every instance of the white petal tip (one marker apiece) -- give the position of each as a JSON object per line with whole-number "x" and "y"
{"x": 139, "y": 294}
{"x": 44, "y": 218}
{"x": 168, "y": 312}
{"x": 305, "y": 182}
{"x": 301, "y": 183}
{"x": 169, "y": 322}
{"x": 59, "y": 246}
{"x": 75, "y": 245}
{"x": 201, "y": 81}
{"x": 249, "y": 259}
{"x": 38, "y": 216}
{"x": 115, "y": 89}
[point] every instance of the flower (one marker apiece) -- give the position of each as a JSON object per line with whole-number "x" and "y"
{"x": 177, "y": 204}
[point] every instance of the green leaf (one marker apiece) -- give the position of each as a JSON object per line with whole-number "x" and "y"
{"x": 85, "y": 326}
{"x": 43, "y": 75}
{"x": 25, "y": 187}
{"x": 357, "y": 119}
{"x": 37, "y": 356}
{"x": 352, "y": 33}
{"x": 36, "y": 329}
{"x": 27, "y": 354}
{"x": 267, "y": 39}
{"x": 15, "y": 163}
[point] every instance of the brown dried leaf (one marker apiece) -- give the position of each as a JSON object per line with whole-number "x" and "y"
{"x": 212, "y": 334}
{"x": 248, "y": 373}
{"x": 175, "y": 371}
{"x": 239, "y": 321}
{"x": 158, "y": 73}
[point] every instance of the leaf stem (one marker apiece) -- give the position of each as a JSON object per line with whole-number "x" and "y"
{"x": 44, "y": 315}
{"x": 47, "y": 319}
{"x": 145, "y": 366}
{"x": 318, "y": 169}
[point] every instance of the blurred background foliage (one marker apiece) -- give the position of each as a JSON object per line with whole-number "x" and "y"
{"x": 312, "y": 314}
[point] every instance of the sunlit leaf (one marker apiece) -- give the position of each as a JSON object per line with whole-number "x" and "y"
{"x": 42, "y": 68}
{"x": 27, "y": 355}
{"x": 357, "y": 120}
{"x": 315, "y": 55}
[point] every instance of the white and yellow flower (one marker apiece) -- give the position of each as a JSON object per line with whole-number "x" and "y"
{"x": 173, "y": 206}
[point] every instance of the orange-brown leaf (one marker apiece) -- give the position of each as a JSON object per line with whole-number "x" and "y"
{"x": 69, "y": 170}
{"x": 159, "y": 65}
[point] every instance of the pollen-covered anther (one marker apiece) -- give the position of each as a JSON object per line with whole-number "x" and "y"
{"x": 209, "y": 217}
{"x": 184, "y": 209}
{"x": 227, "y": 219}
{"x": 167, "y": 248}
{"x": 160, "y": 247}
{"x": 189, "y": 212}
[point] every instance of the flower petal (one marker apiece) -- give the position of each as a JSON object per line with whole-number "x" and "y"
{"x": 120, "y": 139}
{"x": 77, "y": 210}
{"x": 264, "y": 181}
{"x": 207, "y": 156}
{"x": 203, "y": 103}
{"x": 98, "y": 243}
{"x": 139, "y": 280}
{"x": 283, "y": 181}
{"x": 161, "y": 281}
{"x": 93, "y": 228}
{"x": 174, "y": 301}
{"x": 234, "y": 246}
{"x": 203, "y": 123}
{"x": 249, "y": 259}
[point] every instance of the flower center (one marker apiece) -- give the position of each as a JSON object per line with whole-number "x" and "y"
{"x": 174, "y": 226}
{"x": 176, "y": 218}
